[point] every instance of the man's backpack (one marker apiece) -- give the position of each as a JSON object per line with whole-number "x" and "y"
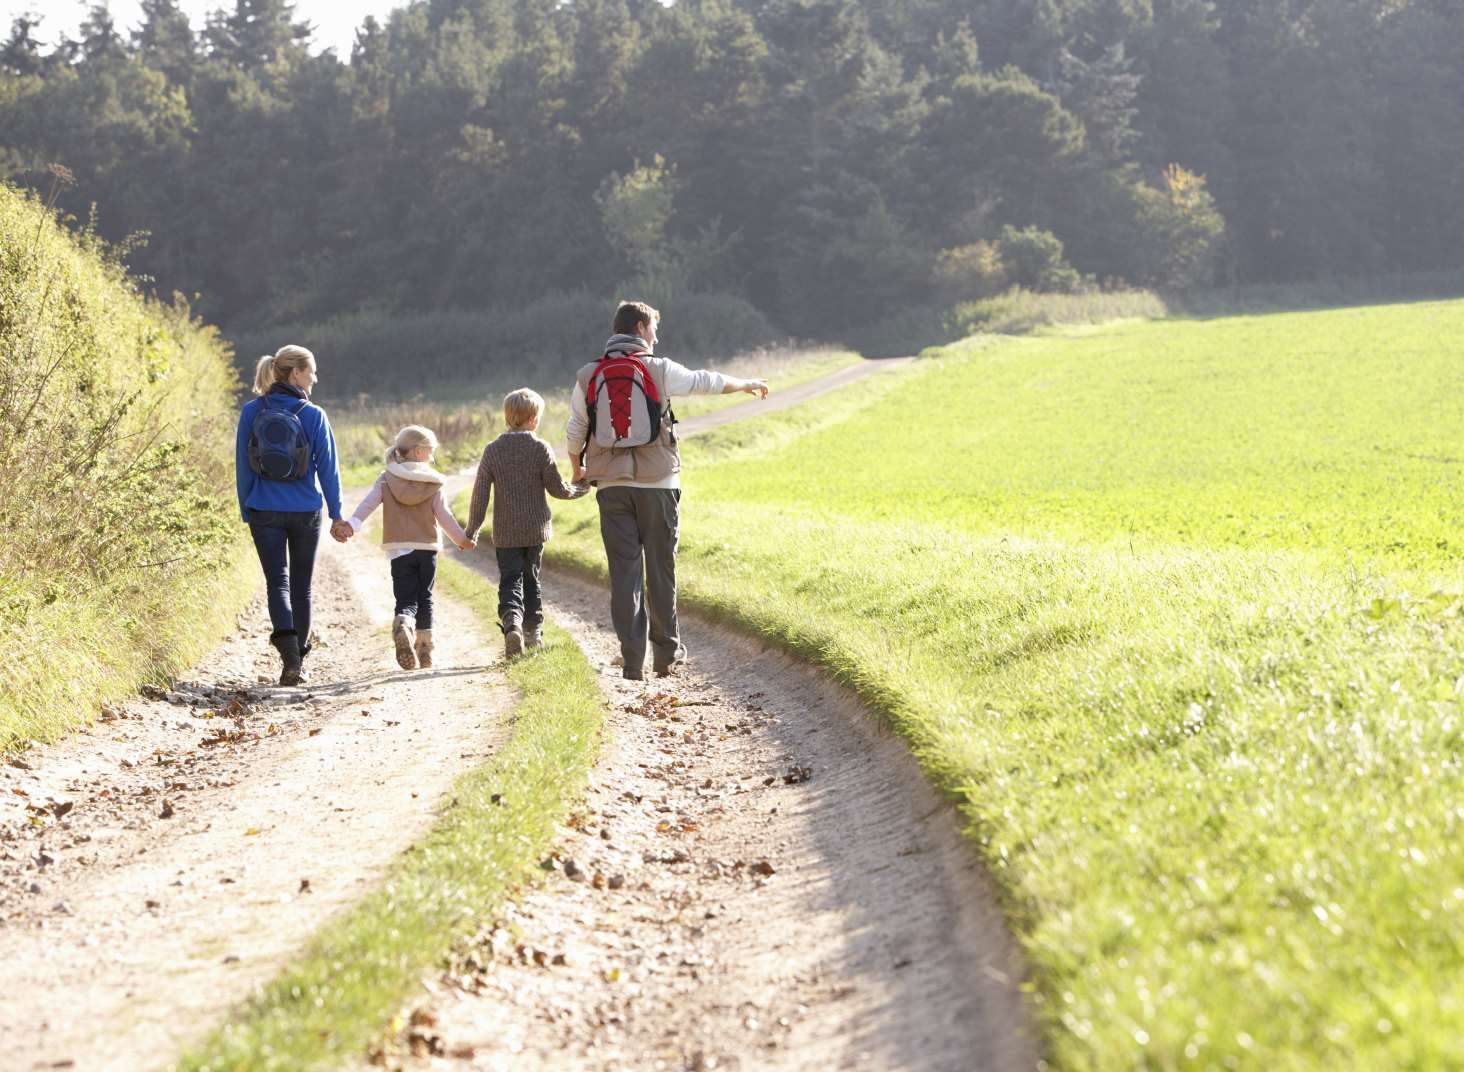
{"x": 278, "y": 448}
{"x": 624, "y": 403}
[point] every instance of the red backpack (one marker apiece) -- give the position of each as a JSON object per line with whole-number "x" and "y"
{"x": 624, "y": 403}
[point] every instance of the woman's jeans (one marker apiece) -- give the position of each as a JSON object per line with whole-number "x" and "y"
{"x": 286, "y": 542}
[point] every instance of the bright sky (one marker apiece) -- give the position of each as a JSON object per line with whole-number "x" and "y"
{"x": 335, "y": 22}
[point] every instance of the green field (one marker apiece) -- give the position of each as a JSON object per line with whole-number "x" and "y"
{"x": 1174, "y": 611}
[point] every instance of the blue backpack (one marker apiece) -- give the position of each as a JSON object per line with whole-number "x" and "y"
{"x": 278, "y": 449}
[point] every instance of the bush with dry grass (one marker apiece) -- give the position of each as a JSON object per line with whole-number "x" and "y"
{"x": 116, "y": 414}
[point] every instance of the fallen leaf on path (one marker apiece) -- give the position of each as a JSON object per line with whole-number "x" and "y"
{"x": 166, "y": 811}
{"x": 315, "y": 731}
{"x": 253, "y": 830}
{"x": 61, "y": 807}
{"x": 16, "y": 761}
{"x": 762, "y": 867}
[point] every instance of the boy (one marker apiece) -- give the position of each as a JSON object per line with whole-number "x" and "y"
{"x": 522, "y": 466}
{"x": 640, "y": 492}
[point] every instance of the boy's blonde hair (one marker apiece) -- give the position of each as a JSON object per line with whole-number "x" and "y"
{"x": 521, "y": 407}
{"x": 409, "y": 439}
{"x": 276, "y": 368}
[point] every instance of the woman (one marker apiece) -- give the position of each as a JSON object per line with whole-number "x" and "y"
{"x": 286, "y": 467}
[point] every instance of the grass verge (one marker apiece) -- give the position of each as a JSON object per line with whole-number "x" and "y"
{"x": 329, "y": 1004}
{"x": 1195, "y": 684}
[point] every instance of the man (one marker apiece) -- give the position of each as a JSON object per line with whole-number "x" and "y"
{"x": 639, "y": 492}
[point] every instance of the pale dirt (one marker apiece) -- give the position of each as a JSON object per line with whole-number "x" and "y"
{"x": 124, "y": 934}
{"x": 762, "y": 878}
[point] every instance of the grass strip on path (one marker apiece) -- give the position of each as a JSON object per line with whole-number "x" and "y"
{"x": 338, "y": 996}
{"x": 1141, "y": 604}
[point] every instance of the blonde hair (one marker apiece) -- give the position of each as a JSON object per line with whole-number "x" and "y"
{"x": 522, "y": 406}
{"x": 276, "y": 368}
{"x": 409, "y": 439}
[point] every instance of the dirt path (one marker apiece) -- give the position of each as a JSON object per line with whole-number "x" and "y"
{"x": 780, "y": 399}
{"x": 157, "y": 867}
{"x": 760, "y": 879}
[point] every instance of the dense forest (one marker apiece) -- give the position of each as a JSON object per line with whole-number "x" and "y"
{"x": 832, "y": 164}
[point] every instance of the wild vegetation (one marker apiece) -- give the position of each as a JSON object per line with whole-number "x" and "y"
{"x": 115, "y": 478}
{"x": 799, "y": 167}
{"x": 1174, "y": 611}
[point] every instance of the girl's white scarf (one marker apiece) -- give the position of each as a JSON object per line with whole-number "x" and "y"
{"x": 419, "y": 471}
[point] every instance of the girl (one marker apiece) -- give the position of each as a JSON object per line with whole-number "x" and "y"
{"x": 414, "y": 506}
{"x": 285, "y": 470}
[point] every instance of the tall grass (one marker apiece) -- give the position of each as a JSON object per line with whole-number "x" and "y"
{"x": 115, "y": 424}
{"x": 1020, "y": 311}
{"x": 1174, "y": 611}
{"x": 373, "y": 356}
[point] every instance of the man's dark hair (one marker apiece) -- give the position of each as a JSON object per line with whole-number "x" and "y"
{"x": 631, "y": 314}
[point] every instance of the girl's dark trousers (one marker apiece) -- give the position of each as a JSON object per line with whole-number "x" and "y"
{"x": 286, "y": 541}
{"x": 412, "y": 577}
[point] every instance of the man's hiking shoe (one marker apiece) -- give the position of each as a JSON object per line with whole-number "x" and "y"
{"x": 423, "y": 648}
{"x": 288, "y": 645}
{"x": 534, "y": 638}
{"x": 671, "y": 668}
{"x": 513, "y": 643}
{"x": 403, "y": 635}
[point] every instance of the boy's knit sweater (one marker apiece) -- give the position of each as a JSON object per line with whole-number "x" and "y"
{"x": 521, "y": 466}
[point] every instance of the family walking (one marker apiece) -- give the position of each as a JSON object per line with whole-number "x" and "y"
{"x": 622, "y": 441}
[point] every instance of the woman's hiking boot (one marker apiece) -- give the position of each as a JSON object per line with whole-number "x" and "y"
{"x": 513, "y": 636}
{"x": 423, "y": 648}
{"x": 403, "y": 634}
{"x": 288, "y": 645}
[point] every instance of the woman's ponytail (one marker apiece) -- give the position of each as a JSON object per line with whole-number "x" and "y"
{"x": 264, "y": 374}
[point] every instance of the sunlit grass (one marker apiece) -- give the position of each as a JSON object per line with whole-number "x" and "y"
{"x": 1174, "y": 612}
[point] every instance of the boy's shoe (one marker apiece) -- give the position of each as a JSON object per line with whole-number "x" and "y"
{"x": 423, "y": 648}
{"x": 534, "y": 637}
{"x": 288, "y": 645}
{"x": 403, "y": 634}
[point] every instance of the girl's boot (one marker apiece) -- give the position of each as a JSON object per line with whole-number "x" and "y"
{"x": 288, "y": 645}
{"x": 403, "y": 634}
{"x": 424, "y": 648}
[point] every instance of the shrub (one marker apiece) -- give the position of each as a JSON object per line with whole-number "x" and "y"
{"x": 1018, "y": 311}
{"x": 1179, "y": 231}
{"x": 116, "y": 433}
{"x": 966, "y": 273}
{"x": 1033, "y": 259}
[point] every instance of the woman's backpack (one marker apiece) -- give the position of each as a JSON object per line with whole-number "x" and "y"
{"x": 278, "y": 447}
{"x": 623, "y": 402}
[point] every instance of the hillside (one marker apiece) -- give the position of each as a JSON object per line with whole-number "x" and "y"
{"x": 121, "y": 546}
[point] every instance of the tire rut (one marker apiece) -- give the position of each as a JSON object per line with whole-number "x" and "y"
{"x": 760, "y": 878}
{"x": 158, "y": 866}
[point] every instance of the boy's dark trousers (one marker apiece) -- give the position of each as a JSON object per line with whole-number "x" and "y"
{"x": 518, "y": 586}
{"x": 412, "y": 577}
{"x": 640, "y": 528}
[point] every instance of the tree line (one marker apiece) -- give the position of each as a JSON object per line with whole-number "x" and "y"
{"x": 835, "y": 163}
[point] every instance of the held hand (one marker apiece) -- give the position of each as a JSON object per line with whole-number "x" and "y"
{"x": 467, "y": 545}
{"x": 756, "y": 387}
